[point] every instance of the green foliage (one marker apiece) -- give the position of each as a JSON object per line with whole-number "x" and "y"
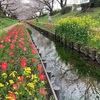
{"x": 65, "y": 10}
{"x": 75, "y": 28}
{"x": 29, "y": 30}
{"x": 96, "y": 3}
{"x": 80, "y": 65}
{"x": 54, "y": 12}
{"x": 84, "y": 6}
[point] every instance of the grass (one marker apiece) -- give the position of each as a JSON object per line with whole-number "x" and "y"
{"x": 5, "y": 22}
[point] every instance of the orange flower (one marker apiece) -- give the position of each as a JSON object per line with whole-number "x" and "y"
{"x": 15, "y": 85}
{"x": 11, "y": 96}
{"x": 20, "y": 78}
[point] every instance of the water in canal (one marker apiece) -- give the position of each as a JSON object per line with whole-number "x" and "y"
{"x": 77, "y": 76}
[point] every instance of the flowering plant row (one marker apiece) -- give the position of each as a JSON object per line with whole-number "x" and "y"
{"x": 21, "y": 72}
{"x": 46, "y": 26}
{"x": 77, "y": 29}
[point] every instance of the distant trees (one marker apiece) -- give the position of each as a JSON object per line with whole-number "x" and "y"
{"x": 48, "y": 4}
{"x": 19, "y": 9}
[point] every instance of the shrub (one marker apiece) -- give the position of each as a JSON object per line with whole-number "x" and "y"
{"x": 75, "y": 28}
{"x": 65, "y": 10}
{"x": 84, "y": 6}
{"x": 96, "y": 3}
{"x": 54, "y": 12}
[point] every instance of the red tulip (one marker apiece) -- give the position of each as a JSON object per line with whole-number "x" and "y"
{"x": 1, "y": 46}
{"x": 4, "y": 65}
{"x": 23, "y": 62}
{"x": 24, "y": 48}
{"x": 33, "y": 51}
{"x": 11, "y": 96}
{"x": 11, "y": 53}
{"x": 12, "y": 61}
{"x": 39, "y": 68}
{"x": 13, "y": 41}
{"x": 32, "y": 46}
{"x": 11, "y": 46}
{"x": 0, "y": 39}
{"x": 29, "y": 42}
{"x": 15, "y": 36}
{"x": 7, "y": 39}
{"x": 34, "y": 60}
{"x": 15, "y": 85}
{"x": 20, "y": 46}
{"x": 41, "y": 77}
{"x": 41, "y": 91}
{"x": 20, "y": 78}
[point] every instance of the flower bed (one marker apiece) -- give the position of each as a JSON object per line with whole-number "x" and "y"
{"x": 46, "y": 26}
{"x": 21, "y": 72}
{"x": 78, "y": 29}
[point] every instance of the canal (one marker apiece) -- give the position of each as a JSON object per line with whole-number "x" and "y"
{"x": 76, "y": 75}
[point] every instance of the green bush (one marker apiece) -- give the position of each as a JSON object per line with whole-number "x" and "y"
{"x": 54, "y": 12}
{"x": 96, "y": 3}
{"x": 92, "y": 3}
{"x": 75, "y": 28}
{"x": 65, "y": 10}
{"x": 84, "y": 6}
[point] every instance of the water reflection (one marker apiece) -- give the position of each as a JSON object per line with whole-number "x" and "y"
{"x": 78, "y": 79}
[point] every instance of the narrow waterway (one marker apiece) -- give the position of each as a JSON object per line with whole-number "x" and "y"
{"x": 77, "y": 76}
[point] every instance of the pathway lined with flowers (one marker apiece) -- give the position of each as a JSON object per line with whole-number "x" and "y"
{"x": 21, "y": 72}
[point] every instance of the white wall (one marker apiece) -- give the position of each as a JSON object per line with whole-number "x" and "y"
{"x": 77, "y": 1}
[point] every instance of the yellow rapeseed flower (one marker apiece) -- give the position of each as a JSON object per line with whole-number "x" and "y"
{"x": 7, "y": 83}
{"x": 13, "y": 74}
{"x": 4, "y": 75}
{"x": 11, "y": 81}
{"x": 31, "y": 85}
{"x": 30, "y": 93}
{"x": 16, "y": 93}
{"x": 42, "y": 82}
{"x": 27, "y": 70}
{"x": 1, "y": 85}
{"x": 35, "y": 81}
{"x": 20, "y": 92}
{"x": 35, "y": 99}
{"x": 34, "y": 76}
